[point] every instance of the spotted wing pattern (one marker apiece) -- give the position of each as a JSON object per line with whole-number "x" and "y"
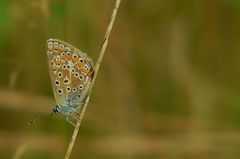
{"x": 71, "y": 73}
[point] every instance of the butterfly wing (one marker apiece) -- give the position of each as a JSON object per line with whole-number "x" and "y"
{"x": 71, "y": 73}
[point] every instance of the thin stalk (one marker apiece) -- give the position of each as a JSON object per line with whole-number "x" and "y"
{"x": 96, "y": 69}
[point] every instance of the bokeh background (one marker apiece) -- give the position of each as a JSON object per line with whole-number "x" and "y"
{"x": 168, "y": 86}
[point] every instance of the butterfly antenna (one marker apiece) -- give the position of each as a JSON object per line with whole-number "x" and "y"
{"x": 34, "y": 120}
{"x": 40, "y": 116}
{"x": 52, "y": 113}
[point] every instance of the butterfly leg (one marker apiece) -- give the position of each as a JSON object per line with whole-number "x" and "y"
{"x": 77, "y": 113}
{"x": 72, "y": 119}
{"x": 75, "y": 116}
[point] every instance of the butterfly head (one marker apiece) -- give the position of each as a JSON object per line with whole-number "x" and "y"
{"x": 55, "y": 110}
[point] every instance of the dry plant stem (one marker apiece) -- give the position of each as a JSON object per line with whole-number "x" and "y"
{"x": 105, "y": 41}
{"x": 98, "y": 63}
{"x": 74, "y": 136}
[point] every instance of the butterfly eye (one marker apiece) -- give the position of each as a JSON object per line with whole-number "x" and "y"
{"x": 57, "y": 83}
{"x": 81, "y": 87}
{"x": 60, "y": 91}
{"x": 55, "y": 45}
{"x": 50, "y": 45}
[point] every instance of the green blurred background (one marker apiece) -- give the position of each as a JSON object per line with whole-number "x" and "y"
{"x": 168, "y": 86}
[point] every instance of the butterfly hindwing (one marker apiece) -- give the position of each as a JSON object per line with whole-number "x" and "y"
{"x": 71, "y": 73}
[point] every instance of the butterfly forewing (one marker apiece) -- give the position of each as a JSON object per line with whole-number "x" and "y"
{"x": 71, "y": 73}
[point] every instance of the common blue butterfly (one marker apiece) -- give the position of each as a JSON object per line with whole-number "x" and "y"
{"x": 71, "y": 72}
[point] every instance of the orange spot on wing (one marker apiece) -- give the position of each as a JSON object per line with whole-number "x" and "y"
{"x": 69, "y": 56}
{"x": 50, "y": 48}
{"x": 58, "y": 62}
{"x": 54, "y": 69}
{"x": 80, "y": 64}
{"x": 74, "y": 60}
{"x": 91, "y": 73}
{"x": 86, "y": 70}
{"x": 51, "y": 56}
{"x": 61, "y": 48}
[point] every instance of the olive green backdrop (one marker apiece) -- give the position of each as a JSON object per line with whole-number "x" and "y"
{"x": 168, "y": 86}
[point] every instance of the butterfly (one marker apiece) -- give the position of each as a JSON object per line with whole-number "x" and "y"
{"x": 71, "y": 72}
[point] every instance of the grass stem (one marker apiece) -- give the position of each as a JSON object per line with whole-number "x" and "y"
{"x": 96, "y": 69}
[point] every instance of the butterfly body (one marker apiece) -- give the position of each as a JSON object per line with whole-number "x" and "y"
{"x": 71, "y": 72}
